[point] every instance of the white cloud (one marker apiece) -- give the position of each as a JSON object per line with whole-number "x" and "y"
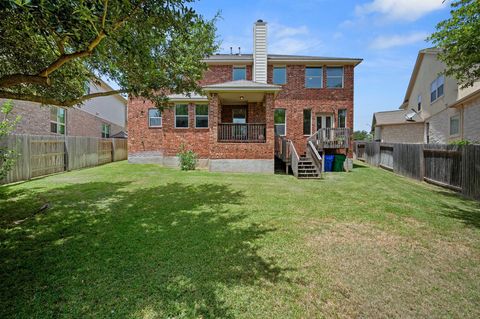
{"x": 387, "y": 42}
{"x": 291, "y": 40}
{"x": 408, "y": 10}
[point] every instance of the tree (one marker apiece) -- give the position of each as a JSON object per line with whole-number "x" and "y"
{"x": 7, "y": 157}
{"x": 459, "y": 39}
{"x": 362, "y": 136}
{"x": 50, "y": 49}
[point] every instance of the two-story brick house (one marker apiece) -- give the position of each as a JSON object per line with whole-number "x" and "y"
{"x": 254, "y": 107}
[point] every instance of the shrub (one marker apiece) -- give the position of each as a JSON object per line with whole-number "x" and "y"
{"x": 463, "y": 142}
{"x": 188, "y": 158}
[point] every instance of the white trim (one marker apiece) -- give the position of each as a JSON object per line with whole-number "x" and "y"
{"x": 280, "y": 108}
{"x": 207, "y": 116}
{"x": 343, "y": 76}
{"x": 155, "y": 117}
{"x": 305, "y": 76}
{"x": 239, "y": 67}
{"x": 175, "y": 117}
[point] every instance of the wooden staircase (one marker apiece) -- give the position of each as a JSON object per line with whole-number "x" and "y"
{"x": 307, "y": 169}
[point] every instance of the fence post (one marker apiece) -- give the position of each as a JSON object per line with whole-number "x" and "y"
{"x": 422, "y": 162}
{"x": 65, "y": 155}
{"x": 113, "y": 150}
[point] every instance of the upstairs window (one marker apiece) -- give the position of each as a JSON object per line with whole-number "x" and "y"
{"x": 57, "y": 120}
{"x": 279, "y": 75}
{"x": 342, "y": 118}
{"x": 419, "y": 102}
{"x": 239, "y": 73}
{"x": 307, "y": 122}
{"x": 201, "y": 116}
{"x": 280, "y": 122}
{"x": 181, "y": 116}
{"x": 154, "y": 118}
{"x": 313, "y": 77}
{"x": 105, "y": 130}
{"x": 436, "y": 88}
{"x": 335, "y": 77}
{"x": 455, "y": 125}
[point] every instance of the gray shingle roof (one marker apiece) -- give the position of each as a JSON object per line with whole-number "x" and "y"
{"x": 277, "y": 57}
{"x": 395, "y": 117}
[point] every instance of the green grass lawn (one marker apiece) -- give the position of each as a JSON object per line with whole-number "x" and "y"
{"x": 141, "y": 241}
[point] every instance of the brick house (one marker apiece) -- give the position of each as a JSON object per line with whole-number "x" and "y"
{"x": 436, "y": 109}
{"x": 255, "y": 107}
{"x": 98, "y": 117}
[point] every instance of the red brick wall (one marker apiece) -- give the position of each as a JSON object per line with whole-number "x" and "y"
{"x": 294, "y": 98}
{"x": 35, "y": 120}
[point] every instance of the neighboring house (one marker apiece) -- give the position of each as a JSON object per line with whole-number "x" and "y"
{"x": 251, "y": 103}
{"x": 435, "y": 109}
{"x": 98, "y": 117}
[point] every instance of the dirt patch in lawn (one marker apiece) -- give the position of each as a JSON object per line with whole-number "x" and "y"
{"x": 376, "y": 274}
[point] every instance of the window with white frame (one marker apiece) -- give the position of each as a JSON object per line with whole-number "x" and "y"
{"x": 436, "y": 88}
{"x": 279, "y": 75}
{"x": 342, "y": 118}
{"x": 181, "y": 116}
{"x": 154, "y": 118}
{"x": 280, "y": 121}
{"x": 201, "y": 116}
{"x": 313, "y": 77}
{"x": 57, "y": 120}
{"x": 335, "y": 77}
{"x": 105, "y": 130}
{"x": 419, "y": 102}
{"x": 239, "y": 73}
{"x": 455, "y": 125}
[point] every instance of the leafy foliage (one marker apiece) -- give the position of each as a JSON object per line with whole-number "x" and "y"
{"x": 188, "y": 159}
{"x": 50, "y": 49}
{"x": 7, "y": 157}
{"x": 459, "y": 39}
{"x": 362, "y": 136}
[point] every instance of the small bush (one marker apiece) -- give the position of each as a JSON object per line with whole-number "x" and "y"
{"x": 188, "y": 159}
{"x": 463, "y": 142}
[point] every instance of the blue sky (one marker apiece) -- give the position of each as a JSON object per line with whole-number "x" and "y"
{"x": 387, "y": 34}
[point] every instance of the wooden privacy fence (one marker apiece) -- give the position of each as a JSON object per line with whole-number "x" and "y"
{"x": 42, "y": 155}
{"x": 452, "y": 166}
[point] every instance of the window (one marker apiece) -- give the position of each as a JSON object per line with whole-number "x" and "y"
{"x": 280, "y": 122}
{"x": 455, "y": 125}
{"x": 239, "y": 115}
{"x": 307, "y": 122}
{"x": 419, "y": 102}
{"x": 279, "y": 75}
{"x": 201, "y": 116}
{"x": 342, "y": 118}
{"x": 239, "y": 73}
{"x": 154, "y": 118}
{"x": 57, "y": 120}
{"x": 181, "y": 115}
{"x": 436, "y": 88}
{"x": 313, "y": 77}
{"x": 105, "y": 130}
{"x": 334, "y": 77}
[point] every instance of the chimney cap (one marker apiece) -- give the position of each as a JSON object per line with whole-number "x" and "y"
{"x": 260, "y": 21}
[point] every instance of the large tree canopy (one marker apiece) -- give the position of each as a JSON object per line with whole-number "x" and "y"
{"x": 459, "y": 39}
{"x": 50, "y": 49}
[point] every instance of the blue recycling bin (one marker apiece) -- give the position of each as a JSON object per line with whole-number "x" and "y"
{"x": 328, "y": 165}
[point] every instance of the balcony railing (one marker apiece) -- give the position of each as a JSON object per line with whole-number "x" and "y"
{"x": 241, "y": 133}
{"x": 331, "y": 138}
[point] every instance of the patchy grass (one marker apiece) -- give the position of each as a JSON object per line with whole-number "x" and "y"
{"x": 143, "y": 241}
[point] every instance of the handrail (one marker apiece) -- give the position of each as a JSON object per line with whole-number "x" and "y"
{"x": 295, "y": 159}
{"x": 242, "y": 132}
{"x": 331, "y": 138}
{"x": 317, "y": 158}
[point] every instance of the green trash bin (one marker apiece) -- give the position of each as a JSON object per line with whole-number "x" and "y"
{"x": 338, "y": 162}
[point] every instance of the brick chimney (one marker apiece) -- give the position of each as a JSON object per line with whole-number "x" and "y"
{"x": 260, "y": 52}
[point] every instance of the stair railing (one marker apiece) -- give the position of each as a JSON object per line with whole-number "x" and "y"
{"x": 315, "y": 156}
{"x": 294, "y": 158}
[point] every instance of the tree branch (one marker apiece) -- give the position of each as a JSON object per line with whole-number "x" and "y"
{"x": 15, "y": 79}
{"x": 53, "y": 101}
